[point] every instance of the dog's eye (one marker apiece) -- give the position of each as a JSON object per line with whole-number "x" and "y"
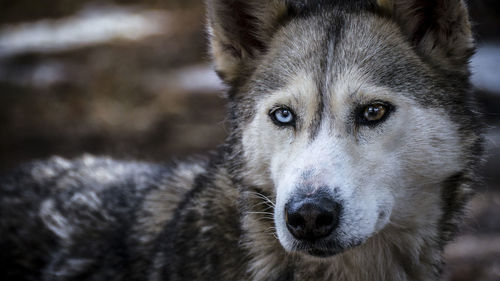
{"x": 282, "y": 116}
{"x": 374, "y": 113}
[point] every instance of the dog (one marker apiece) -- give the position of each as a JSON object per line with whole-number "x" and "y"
{"x": 353, "y": 147}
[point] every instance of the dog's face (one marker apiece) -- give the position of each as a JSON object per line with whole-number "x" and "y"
{"x": 341, "y": 146}
{"x": 345, "y": 123}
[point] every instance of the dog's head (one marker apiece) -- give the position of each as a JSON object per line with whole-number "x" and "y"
{"x": 350, "y": 114}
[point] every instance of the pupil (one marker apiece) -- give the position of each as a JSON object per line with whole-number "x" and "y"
{"x": 283, "y": 116}
{"x": 374, "y": 112}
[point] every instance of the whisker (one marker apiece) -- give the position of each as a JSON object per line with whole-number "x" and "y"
{"x": 261, "y": 213}
{"x": 264, "y": 202}
{"x": 262, "y": 196}
{"x": 272, "y": 231}
{"x": 265, "y": 219}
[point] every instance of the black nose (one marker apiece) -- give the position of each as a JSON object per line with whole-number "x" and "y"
{"x": 313, "y": 216}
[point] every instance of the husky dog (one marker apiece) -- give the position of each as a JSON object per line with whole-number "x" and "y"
{"x": 353, "y": 146}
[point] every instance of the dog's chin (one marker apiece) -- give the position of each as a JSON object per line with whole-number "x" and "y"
{"x": 323, "y": 249}
{"x": 322, "y": 253}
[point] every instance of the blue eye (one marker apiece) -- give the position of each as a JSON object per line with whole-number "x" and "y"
{"x": 282, "y": 116}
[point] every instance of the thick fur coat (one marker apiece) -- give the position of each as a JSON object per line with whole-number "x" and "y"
{"x": 365, "y": 104}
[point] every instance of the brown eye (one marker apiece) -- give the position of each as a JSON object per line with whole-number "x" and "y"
{"x": 374, "y": 112}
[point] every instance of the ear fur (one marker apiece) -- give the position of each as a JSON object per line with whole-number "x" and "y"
{"x": 239, "y": 31}
{"x": 439, "y": 29}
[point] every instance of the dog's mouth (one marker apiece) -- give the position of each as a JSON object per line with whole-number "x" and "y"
{"x": 323, "y": 248}
{"x": 323, "y": 252}
{"x": 318, "y": 224}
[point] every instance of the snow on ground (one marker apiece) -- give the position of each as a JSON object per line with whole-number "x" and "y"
{"x": 91, "y": 26}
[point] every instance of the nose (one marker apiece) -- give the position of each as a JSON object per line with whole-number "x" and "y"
{"x": 312, "y": 216}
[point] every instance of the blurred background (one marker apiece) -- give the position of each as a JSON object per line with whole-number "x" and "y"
{"x": 132, "y": 79}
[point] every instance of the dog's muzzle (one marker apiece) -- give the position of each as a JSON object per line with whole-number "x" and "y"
{"x": 312, "y": 216}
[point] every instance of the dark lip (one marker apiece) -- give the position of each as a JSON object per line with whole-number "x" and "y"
{"x": 331, "y": 249}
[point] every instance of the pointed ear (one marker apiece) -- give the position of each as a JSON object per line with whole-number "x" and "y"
{"x": 439, "y": 29}
{"x": 239, "y": 31}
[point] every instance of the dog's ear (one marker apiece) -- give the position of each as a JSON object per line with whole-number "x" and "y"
{"x": 439, "y": 29}
{"x": 240, "y": 30}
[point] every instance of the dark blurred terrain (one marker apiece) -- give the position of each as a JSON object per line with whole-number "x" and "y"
{"x": 132, "y": 79}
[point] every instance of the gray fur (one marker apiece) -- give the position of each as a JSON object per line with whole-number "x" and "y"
{"x": 217, "y": 219}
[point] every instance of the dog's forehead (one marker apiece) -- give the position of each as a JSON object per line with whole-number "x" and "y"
{"x": 345, "y": 51}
